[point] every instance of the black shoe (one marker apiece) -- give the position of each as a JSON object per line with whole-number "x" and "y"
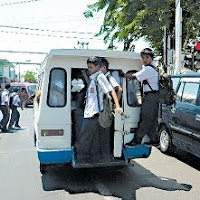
{"x": 6, "y": 131}
{"x": 17, "y": 126}
{"x": 132, "y": 143}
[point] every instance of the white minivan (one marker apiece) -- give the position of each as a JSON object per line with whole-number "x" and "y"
{"x": 57, "y": 120}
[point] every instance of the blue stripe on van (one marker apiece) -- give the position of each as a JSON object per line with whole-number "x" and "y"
{"x": 55, "y": 156}
{"x": 141, "y": 151}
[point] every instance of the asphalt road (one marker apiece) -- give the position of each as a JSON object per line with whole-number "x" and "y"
{"x": 159, "y": 177}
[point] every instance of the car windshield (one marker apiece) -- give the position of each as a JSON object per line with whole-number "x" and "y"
{"x": 32, "y": 89}
{"x": 14, "y": 88}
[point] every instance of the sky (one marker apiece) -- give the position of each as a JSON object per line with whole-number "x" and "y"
{"x": 42, "y": 25}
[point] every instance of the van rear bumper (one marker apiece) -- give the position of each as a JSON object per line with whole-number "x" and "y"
{"x": 47, "y": 156}
{"x": 141, "y": 151}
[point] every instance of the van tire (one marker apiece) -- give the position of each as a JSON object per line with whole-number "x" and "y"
{"x": 165, "y": 140}
{"x": 35, "y": 139}
{"x": 43, "y": 168}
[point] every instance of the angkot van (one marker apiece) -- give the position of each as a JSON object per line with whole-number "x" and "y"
{"x": 59, "y": 111}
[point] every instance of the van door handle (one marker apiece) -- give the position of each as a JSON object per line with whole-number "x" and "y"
{"x": 197, "y": 117}
{"x": 173, "y": 110}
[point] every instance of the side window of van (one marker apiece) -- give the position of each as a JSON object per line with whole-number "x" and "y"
{"x": 57, "y": 88}
{"x": 190, "y": 93}
{"x": 134, "y": 96}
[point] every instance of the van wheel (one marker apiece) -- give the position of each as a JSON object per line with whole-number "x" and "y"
{"x": 43, "y": 168}
{"x": 34, "y": 139}
{"x": 165, "y": 140}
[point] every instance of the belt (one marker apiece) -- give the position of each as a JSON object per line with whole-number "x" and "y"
{"x": 96, "y": 115}
{"x": 154, "y": 91}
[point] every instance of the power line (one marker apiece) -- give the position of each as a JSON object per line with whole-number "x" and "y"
{"x": 49, "y": 35}
{"x": 18, "y": 2}
{"x": 43, "y": 30}
{"x": 25, "y": 63}
{"x": 28, "y": 52}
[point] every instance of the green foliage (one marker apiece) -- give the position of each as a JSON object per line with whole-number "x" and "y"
{"x": 129, "y": 20}
{"x": 30, "y": 77}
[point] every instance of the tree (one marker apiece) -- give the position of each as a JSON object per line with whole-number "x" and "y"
{"x": 128, "y": 20}
{"x": 30, "y": 77}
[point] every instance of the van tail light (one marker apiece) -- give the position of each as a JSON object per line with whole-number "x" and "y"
{"x": 52, "y": 132}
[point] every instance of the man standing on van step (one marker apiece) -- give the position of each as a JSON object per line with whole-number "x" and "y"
{"x": 148, "y": 76}
{"x": 4, "y": 107}
{"x": 90, "y": 146}
{"x": 14, "y": 103}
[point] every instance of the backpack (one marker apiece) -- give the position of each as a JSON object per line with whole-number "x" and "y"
{"x": 11, "y": 99}
{"x": 166, "y": 91}
{"x": 106, "y": 116}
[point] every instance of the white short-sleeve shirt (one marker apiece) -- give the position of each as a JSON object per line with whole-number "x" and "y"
{"x": 112, "y": 80}
{"x": 16, "y": 100}
{"x": 5, "y": 97}
{"x": 92, "y": 107}
{"x": 149, "y": 74}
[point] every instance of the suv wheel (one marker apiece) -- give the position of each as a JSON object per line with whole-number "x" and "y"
{"x": 165, "y": 140}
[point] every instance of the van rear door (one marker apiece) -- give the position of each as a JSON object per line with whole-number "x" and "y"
{"x": 54, "y": 121}
{"x": 128, "y": 121}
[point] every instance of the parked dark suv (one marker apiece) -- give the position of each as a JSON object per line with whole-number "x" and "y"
{"x": 179, "y": 124}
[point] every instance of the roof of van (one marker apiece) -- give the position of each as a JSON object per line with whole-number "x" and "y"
{"x": 94, "y": 52}
{"x": 76, "y": 58}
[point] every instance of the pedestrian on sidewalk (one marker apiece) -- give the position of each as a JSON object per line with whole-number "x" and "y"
{"x": 4, "y": 107}
{"x": 15, "y": 102}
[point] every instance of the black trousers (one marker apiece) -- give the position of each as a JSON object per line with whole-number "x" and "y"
{"x": 94, "y": 141}
{"x": 6, "y": 116}
{"x": 14, "y": 116}
{"x": 149, "y": 118}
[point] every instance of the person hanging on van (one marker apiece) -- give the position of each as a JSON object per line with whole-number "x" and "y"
{"x": 14, "y": 103}
{"x": 149, "y": 110}
{"x": 104, "y": 68}
{"x": 4, "y": 107}
{"x": 89, "y": 145}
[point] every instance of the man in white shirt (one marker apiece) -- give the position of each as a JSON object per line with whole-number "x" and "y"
{"x": 94, "y": 141}
{"x": 104, "y": 68}
{"x": 15, "y": 116}
{"x": 148, "y": 76}
{"x": 4, "y": 107}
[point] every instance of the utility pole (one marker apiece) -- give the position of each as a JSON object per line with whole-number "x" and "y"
{"x": 178, "y": 36}
{"x": 19, "y": 73}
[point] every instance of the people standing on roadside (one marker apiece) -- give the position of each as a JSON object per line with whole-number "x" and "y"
{"x": 148, "y": 76}
{"x": 4, "y": 107}
{"x": 104, "y": 68}
{"x": 14, "y": 103}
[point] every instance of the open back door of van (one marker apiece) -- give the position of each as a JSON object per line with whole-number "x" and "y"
{"x": 128, "y": 121}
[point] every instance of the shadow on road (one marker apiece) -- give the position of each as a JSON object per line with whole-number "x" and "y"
{"x": 187, "y": 158}
{"x": 121, "y": 183}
